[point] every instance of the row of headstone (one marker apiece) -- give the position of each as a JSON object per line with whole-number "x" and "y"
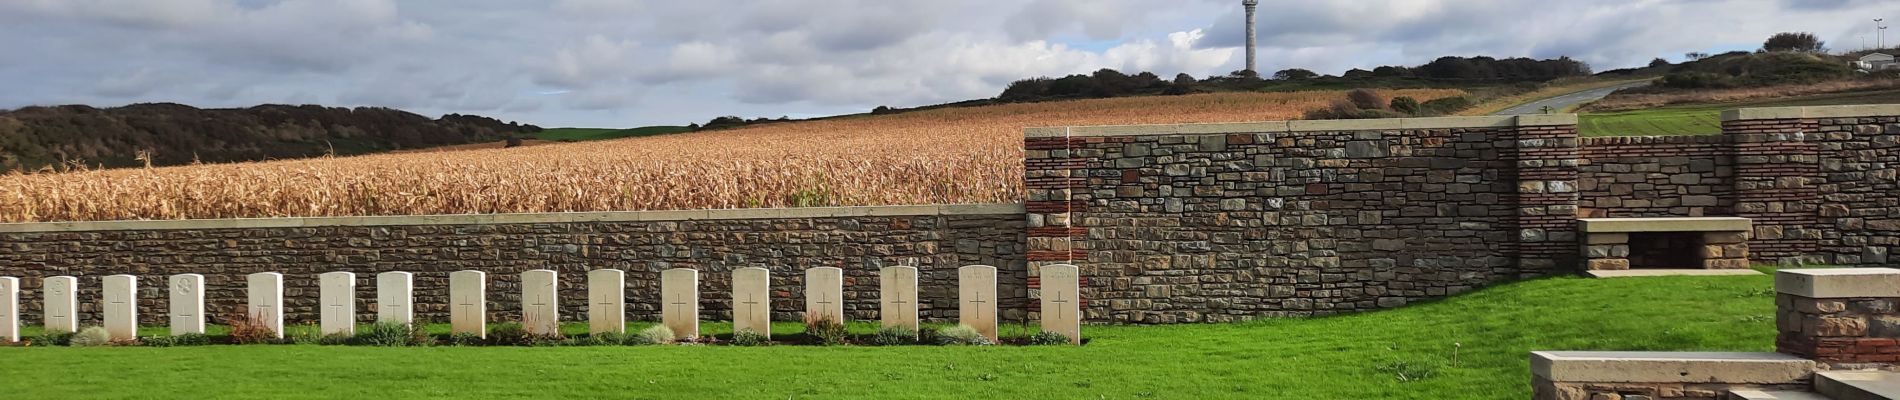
{"x": 679, "y": 293}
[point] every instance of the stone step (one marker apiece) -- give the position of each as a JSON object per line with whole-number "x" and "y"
{"x": 1858, "y": 385}
{"x": 1641, "y": 273}
{"x": 1774, "y": 395}
{"x": 1670, "y": 367}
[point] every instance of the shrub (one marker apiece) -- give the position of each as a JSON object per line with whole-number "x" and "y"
{"x": 55, "y": 339}
{"x": 306, "y": 334}
{"x": 827, "y": 331}
{"x": 189, "y": 339}
{"x": 464, "y": 339}
{"x": 245, "y": 331}
{"x": 337, "y": 339}
{"x": 962, "y": 335}
{"x": 510, "y": 335}
{"x": 605, "y": 339}
{"x": 1343, "y": 109}
{"x": 91, "y": 336}
{"x": 657, "y": 334}
{"x": 1366, "y": 99}
{"x": 750, "y": 338}
{"x": 391, "y": 334}
{"x": 1046, "y": 338}
{"x": 1445, "y": 106}
{"x": 1405, "y": 104}
{"x": 895, "y": 336}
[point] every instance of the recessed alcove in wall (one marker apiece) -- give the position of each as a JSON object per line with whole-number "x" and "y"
{"x": 1666, "y": 250}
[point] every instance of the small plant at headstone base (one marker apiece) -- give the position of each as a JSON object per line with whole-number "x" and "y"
{"x": 91, "y": 336}
{"x": 337, "y": 339}
{"x": 245, "y": 331}
{"x": 392, "y": 334}
{"x": 1046, "y": 338}
{"x": 304, "y": 334}
{"x": 657, "y": 334}
{"x": 602, "y": 339}
{"x": 463, "y": 339}
{"x": 54, "y": 339}
{"x": 962, "y": 335}
{"x": 895, "y": 336}
{"x": 510, "y": 335}
{"x": 827, "y": 331}
{"x": 159, "y": 341}
{"x": 189, "y": 339}
{"x": 749, "y": 338}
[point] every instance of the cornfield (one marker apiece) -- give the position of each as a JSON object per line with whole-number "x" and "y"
{"x": 958, "y": 155}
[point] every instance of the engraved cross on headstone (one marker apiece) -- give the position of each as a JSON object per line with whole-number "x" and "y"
{"x": 1062, "y": 302}
{"x": 979, "y": 303}
{"x": 679, "y": 306}
{"x": 900, "y": 298}
{"x": 466, "y": 301}
{"x": 824, "y": 301}
{"x": 334, "y": 303}
{"x": 751, "y": 303}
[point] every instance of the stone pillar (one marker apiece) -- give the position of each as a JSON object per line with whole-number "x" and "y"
{"x": 1056, "y": 175}
{"x": 1839, "y": 316}
{"x": 1546, "y": 198}
{"x": 1776, "y": 172}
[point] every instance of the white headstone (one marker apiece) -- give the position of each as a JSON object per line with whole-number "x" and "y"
{"x": 897, "y": 297}
{"x": 121, "y": 305}
{"x": 187, "y": 309}
{"x": 607, "y": 301}
{"x": 1062, "y": 301}
{"x": 61, "y": 304}
{"x": 752, "y": 300}
{"x": 679, "y": 299}
{"x": 9, "y": 309}
{"x": 824, "y": 294}
{"x": 395, "y": 297}
{"x": 976, "y": 292}
{"x": 337, "y": 292}
{"x": 266, "y": 294}
{"x": 540, "y": 302}
{"x": 468, "y": 302}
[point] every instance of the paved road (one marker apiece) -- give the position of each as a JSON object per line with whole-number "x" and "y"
{"x": 1566, "y": 101}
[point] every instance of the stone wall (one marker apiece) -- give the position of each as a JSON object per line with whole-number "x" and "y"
{"x": 1656, "y": 176}
{"x": 938, "y": 239}
{"x": 1224, "y": 222}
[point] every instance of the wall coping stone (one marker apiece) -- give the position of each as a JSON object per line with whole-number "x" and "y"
{"x": 1387, "y": 124}
{"x": 525, "y": 218}
{"x": 1664, "y": 224}
{"x": 1670, "y": 367}
{"x": 1835, "y": 283}
{"x": 1851, "y": 111}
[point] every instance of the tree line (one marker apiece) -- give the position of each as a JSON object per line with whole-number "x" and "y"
{"x": 159, "y": 134}
{"x": 1457, "y": 70}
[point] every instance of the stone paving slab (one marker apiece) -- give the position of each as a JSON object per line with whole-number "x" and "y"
{"x": 1642, "y": 273}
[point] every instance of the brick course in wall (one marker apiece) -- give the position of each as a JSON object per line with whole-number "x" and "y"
{"x": 861, "y": 245}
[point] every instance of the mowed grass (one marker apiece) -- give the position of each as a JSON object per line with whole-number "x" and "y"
{"x": 1473, "y": 346}
{"x": 1706, "y": 119}
{"x": 586, "y": 134}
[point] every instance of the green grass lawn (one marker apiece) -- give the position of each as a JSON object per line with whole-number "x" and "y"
{"x": 585, "y": 134}
{"x": 1357, "y": 356}
{"x": 1706, "y": 119}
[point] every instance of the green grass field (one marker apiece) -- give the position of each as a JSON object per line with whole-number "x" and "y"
{"x": 1473, "y": 346}
{"x": 1706, "y": 119}
{"x": 585, "y": 134}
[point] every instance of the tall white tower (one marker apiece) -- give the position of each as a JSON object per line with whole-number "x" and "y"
{"x": 1251, "y": 5}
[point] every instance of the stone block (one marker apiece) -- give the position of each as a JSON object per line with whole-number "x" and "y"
{"x": 468, "y": 302}
{"x": 897, "y": 297}
{"x": 824, "y": 295}
{"x": 977, "y": 297}
{"x": 120, "y": 301}
{"x": 1061, "y": 301}
{"x": 336, "y": 294}
{"x": 1607, "y": 238}
{"x": 395, "y": 297}
{"x": 1669, "y": 367}
{"x": 1839, "y": 282}
{"x": 1608, "y": 264}
{"x": 606, "y": 301}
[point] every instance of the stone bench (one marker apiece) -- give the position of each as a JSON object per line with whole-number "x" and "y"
{"x": 1685, "y": 243}
{"x": 1583, "y": 375}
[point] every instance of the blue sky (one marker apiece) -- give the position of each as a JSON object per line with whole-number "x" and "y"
{"x": 620, "y": 63}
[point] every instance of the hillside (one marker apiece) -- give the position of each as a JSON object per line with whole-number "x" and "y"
{"x": 953, "y": 155}
{"x": 33, "y": 138}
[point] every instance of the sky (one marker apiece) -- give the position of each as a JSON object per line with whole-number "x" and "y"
{"x": 626, "y": 63}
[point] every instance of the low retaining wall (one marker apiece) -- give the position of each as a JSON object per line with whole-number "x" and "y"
{"x": 938, "y": 239}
